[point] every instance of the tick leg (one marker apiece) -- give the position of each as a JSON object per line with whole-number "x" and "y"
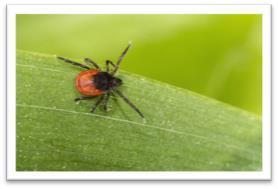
{"x": 88, "y": 60}
{"x": 83, "y": 98}
{"x": 121, "y": 58}
{"x": 106, "y": 102}
{"x": 73, "y": 62}
{"x": 97, "y": 103}
{"x": 107, "y": 65}
{"x": 128, "y": 102}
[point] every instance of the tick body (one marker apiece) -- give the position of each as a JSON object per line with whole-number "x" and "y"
{"x": 85, "y": 83}
{"x": 93, "y": 82}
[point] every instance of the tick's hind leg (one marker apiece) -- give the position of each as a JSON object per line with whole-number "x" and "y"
{"x": 97, "y": 103}
{"x": 90, "y": 61}
{"x": 73, "y": 62}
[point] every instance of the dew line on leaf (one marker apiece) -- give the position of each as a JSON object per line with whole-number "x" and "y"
{"x": 97, "y": 115}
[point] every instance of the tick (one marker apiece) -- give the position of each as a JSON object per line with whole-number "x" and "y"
{"x": 93, "y": 82}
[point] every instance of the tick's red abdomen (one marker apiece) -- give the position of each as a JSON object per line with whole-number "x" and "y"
{"x": 85, "y": 85}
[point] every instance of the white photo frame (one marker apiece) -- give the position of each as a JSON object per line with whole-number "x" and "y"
{"x": 13, "y": 10}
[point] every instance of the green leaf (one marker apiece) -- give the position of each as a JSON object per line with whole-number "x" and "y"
{"x": 182, "y": 130}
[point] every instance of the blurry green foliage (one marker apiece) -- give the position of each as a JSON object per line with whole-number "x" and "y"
{"x": 216, "y": 55}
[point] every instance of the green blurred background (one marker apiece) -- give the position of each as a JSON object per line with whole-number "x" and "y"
{"x": 215, "y": 55}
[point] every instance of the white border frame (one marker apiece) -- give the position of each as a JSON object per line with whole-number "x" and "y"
{"x": 12, "y": 10}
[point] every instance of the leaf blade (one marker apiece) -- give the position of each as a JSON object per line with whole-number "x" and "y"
{"x": 183, "y": 131}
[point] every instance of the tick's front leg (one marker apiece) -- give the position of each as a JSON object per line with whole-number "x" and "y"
{"x": 78, "y": 99}
{"x": 106, "y": 99}
{"x": 97, "y": 103}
